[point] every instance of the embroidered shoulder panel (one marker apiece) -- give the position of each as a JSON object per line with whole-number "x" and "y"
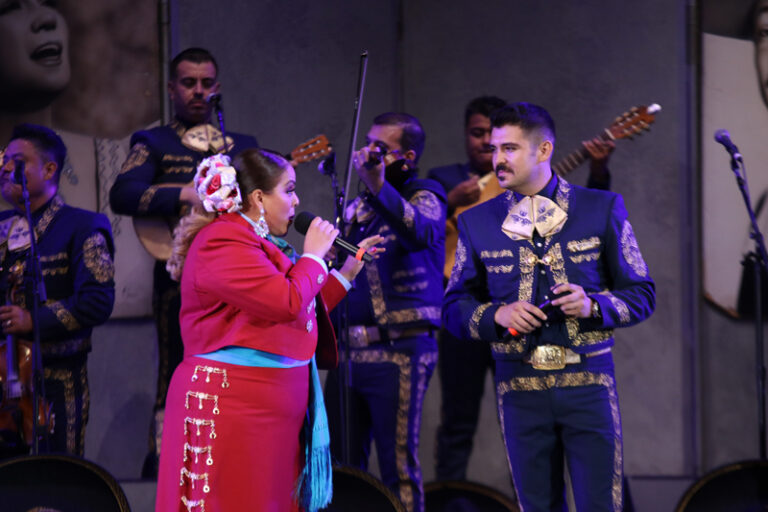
{"x": 97, "y": 258}
{"x": 427, "y": 203}
{"x": 136, "y": 158}
{"x": 631, "y": 250}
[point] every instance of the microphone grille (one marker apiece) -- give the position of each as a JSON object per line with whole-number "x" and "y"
{"x": 302, "y": 221}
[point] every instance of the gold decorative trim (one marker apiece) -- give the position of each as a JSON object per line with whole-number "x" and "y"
{"x": 496, "y": 254}
{"x": 177, "y": 158}
{"x": 631, "y": 250}
{"x": 66, "y": 378}
{"x": 56, "y": 271}
{"x": 54, "y": 257}
{"x": 563, "y": 195}
{"x": 42, "y": 225}
{"x": 580, "y": 258}
{"x": 403, "y": 361}
{"x": 146, "y": 198}
{"x": 474, "y": 320}
{"x": 458, "y": 264}
{"x": 500, "y": 269}
{"x": 411, "y": 287}
{"x": 97, "y": 258}
{"x": 64, "y": 316}
{"x": 619, "y": 305}
{"x": 413, "y": 315}
{"x": 179, "y": 169}
{"x": 427, "y": 204}
{"x": 562, "y": 380}
{"x": 408, "y": 214}
{"x": 584, "y": 244}
{"x": 377, "y": 293}
{"x": 136, "y": 158}
{"x": 400, "y": 274}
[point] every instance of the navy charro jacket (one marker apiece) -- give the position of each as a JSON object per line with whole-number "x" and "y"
{"x": 157, "y": 166}
{"x": 595, "y": 249}
{"x": 76, "y": 259}
{"x": 404, "y": 286}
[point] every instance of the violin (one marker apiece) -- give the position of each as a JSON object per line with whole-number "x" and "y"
{"x": 16, "y": 378}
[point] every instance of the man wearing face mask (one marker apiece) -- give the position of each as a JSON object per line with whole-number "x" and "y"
{"x": 155, "y": 181}
{"x": 394, "y": 309}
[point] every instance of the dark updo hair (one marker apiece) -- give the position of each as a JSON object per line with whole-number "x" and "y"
{"x": 258, "y": 168}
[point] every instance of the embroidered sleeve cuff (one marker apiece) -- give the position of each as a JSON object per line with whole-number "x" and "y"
{"x": 343, "y": 280}
{"x": 319, "y": 260}
{"x": 482, "y": 325}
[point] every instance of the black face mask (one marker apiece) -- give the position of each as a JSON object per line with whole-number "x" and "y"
{"x": 396, "y": 175}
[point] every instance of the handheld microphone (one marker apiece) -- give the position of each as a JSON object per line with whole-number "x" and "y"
{"x": 214, "y": 99}
{"x": 18, "y": 171}
{"x": 724, "y": 138}
{"x": 302, "y": 222}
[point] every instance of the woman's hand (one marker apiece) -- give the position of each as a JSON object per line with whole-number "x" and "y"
{"x": 352, "y": 266}
{"x": 320, "y": 235}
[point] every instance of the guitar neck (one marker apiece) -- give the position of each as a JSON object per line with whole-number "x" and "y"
{"x": 574, "y": 159}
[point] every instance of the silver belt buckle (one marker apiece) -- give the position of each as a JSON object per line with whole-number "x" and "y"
{"x": 358, "y": 336}
{"x": 548, "y": 357}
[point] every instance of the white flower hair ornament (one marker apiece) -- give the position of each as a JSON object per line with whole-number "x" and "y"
{"x": 216, "y": 185}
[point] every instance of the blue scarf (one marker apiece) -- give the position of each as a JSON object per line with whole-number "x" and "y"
{"x": 314, "y": 488}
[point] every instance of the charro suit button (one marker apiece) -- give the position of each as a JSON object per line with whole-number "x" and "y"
{"x": 538, "y": 244}
{"x": 309, "y": 325}
{"x": 320, "y": 278}
{"x": 309, "y": 308}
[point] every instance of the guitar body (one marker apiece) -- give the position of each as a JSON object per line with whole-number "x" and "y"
{"x": 156, "y": 235}
{"x": 489, "y": 188}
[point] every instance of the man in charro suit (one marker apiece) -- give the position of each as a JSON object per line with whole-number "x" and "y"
{"x": 394, "y": 308}
{"x": 544, "y": 273}
{"x": 155, "y": 181}
{"x": 462, "y": 364}
{"x": 75, "y": 252}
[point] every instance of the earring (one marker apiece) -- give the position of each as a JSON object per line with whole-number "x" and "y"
{"x": 261, "y": 227}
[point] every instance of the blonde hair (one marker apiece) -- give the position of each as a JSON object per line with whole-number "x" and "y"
{"x": 183, "y": 234}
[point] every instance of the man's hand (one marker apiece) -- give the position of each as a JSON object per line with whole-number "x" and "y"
{"x": 599, "y": 152}
{"x": 521, "y": 316}
{"x": 466, "y": 192}
{"x": 575, "y": 303}
{"x": 15, "y": 320}
{"x": 189, "y": 196}
{"x": 371, "y": 173}
{"x": 352, "y": 266}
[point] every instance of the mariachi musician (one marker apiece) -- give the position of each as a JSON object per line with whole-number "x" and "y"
{"x": 75, "y": 252}
{"x": 155, "y": 182}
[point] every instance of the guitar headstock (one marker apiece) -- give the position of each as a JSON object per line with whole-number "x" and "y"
{"x": 633, "y": 122}
{"x": 313, "y": 149}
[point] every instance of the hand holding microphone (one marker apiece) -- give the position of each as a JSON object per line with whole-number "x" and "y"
{"x": 318, "y": 229}
{"x": 319, "y": 234}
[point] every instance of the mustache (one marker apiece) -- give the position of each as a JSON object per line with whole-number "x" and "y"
{"x": 501, "y": 167}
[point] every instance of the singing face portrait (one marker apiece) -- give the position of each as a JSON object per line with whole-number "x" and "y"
{"x": 34, "y": 55}
{"x": 734, "y": 97}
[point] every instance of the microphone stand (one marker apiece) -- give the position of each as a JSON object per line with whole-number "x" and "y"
{"x": 35, "y": 295}
{"x": 342, "y": 199}
{"x": 760, "y": 262}
{"x": 220, "y": 116}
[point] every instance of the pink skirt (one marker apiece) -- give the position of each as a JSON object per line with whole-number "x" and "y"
{"x": 231, "y": 438}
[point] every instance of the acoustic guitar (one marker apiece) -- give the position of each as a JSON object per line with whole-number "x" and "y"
{"x": 156, "y": 233}
{"x": 633, "y": 122}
